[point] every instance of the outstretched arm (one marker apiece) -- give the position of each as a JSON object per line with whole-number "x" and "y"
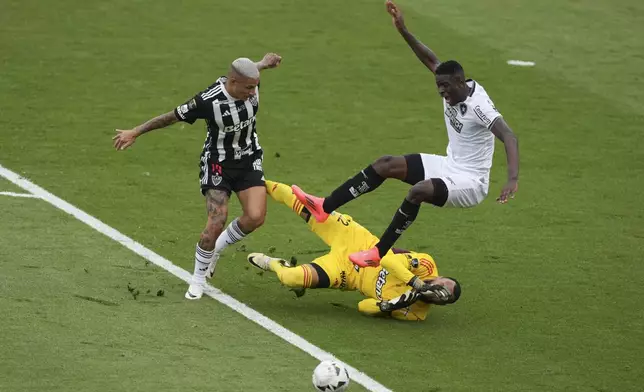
{"x": 501, "y": 130}
{"x": 125, "y": 138}
{"x": 424, "y": 54}
{"x": 371, "y": 307}
{"x": 270, "y": 60}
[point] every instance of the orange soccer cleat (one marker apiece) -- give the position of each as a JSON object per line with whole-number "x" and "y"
{"x": 366, "y": 258}
{"x": 312, "y": 203}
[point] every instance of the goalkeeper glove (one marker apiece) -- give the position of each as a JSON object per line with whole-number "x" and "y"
{"x": 404, "y": 300}
{"x": 433, "y": 292}
{"x": 418, "y": 284}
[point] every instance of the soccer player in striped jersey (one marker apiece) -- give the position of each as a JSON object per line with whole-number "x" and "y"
{"x": 231, "y": 160}
{"x": 404, "y": 286}
{"x": 460, "y": 179}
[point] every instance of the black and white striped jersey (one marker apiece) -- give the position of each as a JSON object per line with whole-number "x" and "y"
{"x": 232, "y": 131}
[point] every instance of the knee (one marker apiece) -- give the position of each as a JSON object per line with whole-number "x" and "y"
{"x": 420, "y": 192}
{"x": 385, "y": 165}
{"x": 254, "y": 219}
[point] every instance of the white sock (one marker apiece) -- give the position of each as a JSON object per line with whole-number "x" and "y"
{"x": 231, "y": 235}
{"x": 203, "y": 258}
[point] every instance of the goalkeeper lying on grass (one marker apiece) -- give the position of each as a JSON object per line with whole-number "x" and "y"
{"x": 403, "y": 286}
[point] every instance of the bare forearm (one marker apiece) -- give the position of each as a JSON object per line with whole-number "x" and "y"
{"x": 512, "y": 152}
{"x": 424, "y": 54}
{"x": 161, "y": 121}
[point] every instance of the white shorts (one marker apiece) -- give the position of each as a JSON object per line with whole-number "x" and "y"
{"x": 464, "y": 190}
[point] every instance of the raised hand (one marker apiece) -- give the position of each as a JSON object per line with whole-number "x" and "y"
{"x": 271, "y": 60}
{"x": 396, "y": 15}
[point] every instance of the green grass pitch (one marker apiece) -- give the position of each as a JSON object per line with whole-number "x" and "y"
{"x": 551, "y": 282}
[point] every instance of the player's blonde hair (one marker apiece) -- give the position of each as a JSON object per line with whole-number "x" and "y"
{"x": 245, "y": 67}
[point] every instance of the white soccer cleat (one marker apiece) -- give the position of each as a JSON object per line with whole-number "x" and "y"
{"x": 195, "y": 291}
{"x": 211, "y": 268}
{"x": 259, "y": 260}
{"x": 262, "y": 261}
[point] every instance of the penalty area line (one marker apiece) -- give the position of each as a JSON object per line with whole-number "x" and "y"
{"x": 225, "y": 299}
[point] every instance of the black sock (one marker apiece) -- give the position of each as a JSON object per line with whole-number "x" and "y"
{"x": 363, "y": 182}
{"x": 401, "y": 221}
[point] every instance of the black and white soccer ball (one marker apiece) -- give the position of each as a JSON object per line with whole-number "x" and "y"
{"x": 331, "y": 376}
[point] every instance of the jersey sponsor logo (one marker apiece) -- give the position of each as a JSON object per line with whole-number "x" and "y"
{"x": 182, "y": 110}
{"x": 481, "y": 115}
{"x": 381, "y": 281}
{"x": 257, "y": 165}
{"x": 192, "y": 104}
{"x": 343, "y": 280}
{"x": 246, "y": 151}
{"x": 452, "y": 114}
{"x": 239, "y": 126}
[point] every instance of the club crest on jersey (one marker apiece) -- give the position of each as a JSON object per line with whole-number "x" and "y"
{"x": 463, "y": 108}
{"x": 216, "y": 179}
{"x": 414, "y": 263}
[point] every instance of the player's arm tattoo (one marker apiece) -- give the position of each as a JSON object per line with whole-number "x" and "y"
{"x": 217, "y": 209}
{"x": 501, "y": 130}
{"x": 161, "y": 121}
{"x": 424, "y": 54}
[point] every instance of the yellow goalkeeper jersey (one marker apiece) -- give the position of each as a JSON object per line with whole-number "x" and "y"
{"x": 385, "y": 282}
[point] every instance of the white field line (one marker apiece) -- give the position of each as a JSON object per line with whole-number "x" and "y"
{"x": 251, "y": 314}
{"x": 521, "y": 63}
{"x": 13, "y": 194}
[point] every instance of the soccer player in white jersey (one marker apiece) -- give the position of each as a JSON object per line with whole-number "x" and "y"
{"x": 460, "y": 179}
{"x": 231, "y": 159}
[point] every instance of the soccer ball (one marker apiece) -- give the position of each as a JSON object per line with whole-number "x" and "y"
{"x": 330, "y": 376}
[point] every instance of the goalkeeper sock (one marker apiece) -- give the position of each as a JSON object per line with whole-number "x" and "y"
{"x": 282, "y": 193}
{"x": 231, "y": 235}
{"x": 299, "y": 276}
{"x": 203, "y": 258}
{"x": 363, "y": 182}
{"x": 402, "y": 220}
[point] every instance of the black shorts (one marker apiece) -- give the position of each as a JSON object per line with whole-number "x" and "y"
{"x": 231, "y": 175}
